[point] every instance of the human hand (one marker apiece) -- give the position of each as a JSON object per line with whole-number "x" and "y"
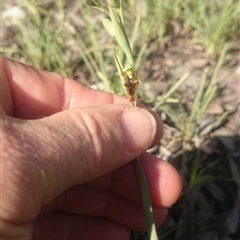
{"x": 66, "y": 160}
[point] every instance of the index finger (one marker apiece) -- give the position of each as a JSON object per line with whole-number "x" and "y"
{"x": 30, "y": 93}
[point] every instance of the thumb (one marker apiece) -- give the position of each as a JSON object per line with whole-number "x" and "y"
{"x": 49, "y": 155}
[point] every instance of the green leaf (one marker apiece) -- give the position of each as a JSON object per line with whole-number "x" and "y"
{"x": 95, "y": 4}
{"x": 91, "y": 3}
{"x": 114, "y": 3}
{"x": 146, "y": 200}
{"x": 121, "y": 35}
{"x": 118, "y": 63}
{"x": 108, "y": 25}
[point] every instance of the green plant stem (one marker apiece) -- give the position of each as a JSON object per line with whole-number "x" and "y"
{"x": 135, "y": 31}
{"x": 146, "y": 200}
{"x": 173, "y": 89}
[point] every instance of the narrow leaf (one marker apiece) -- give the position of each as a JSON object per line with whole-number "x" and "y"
{"x": 114, "y": 3}
{"x": 121, "y": 36}
{"x": 108, "y": 26}
{"x": 91, "y": 3}
{"x": 146, "y": 199}
{"x": 95, "y": 4}
{"x": 118, "y": 63}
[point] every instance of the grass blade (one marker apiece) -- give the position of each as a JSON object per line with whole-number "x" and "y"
{"x": 146, "y": 200}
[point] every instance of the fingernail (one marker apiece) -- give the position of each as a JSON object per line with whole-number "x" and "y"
{"x": 139, "y": 128}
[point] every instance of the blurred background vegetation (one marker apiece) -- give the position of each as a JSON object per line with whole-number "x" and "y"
{"x": 187, "y": 57}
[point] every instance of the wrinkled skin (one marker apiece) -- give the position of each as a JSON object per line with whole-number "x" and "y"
{"x": 66, "y": 160}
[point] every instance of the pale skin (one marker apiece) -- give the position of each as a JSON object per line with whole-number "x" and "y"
{"x": 66, "y": 160}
